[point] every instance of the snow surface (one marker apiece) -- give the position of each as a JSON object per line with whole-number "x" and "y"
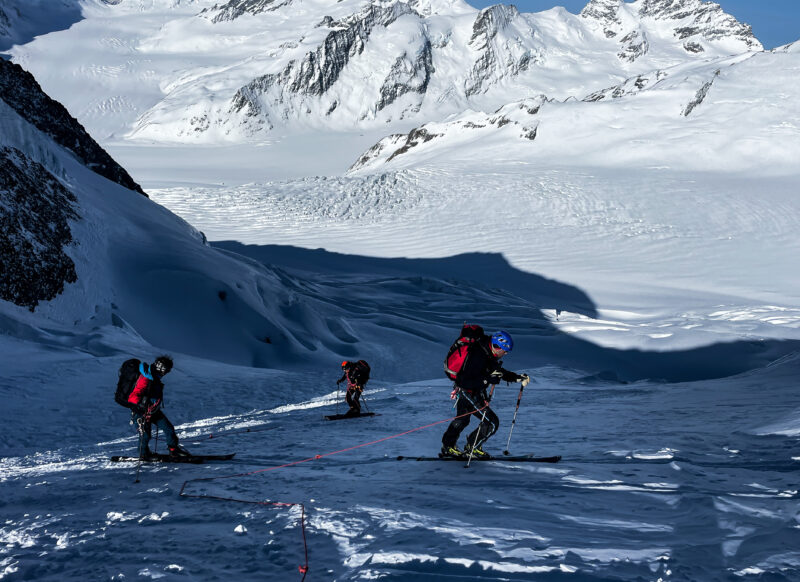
{"x": 653, "y": 299}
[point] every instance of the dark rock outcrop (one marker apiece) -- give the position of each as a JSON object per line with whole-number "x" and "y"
{"x": 707, "y": 20}
{"x": 22, "y": 93}
{"x": 408, "y": 76}
{"x": 485, "y": 29}
{"x": 702, "y": 92}
{"x": 235, "y": 8}
{"x": 34, "y": 230}
{"x": 605, "y": 11}
{"x": 320, "y": 69}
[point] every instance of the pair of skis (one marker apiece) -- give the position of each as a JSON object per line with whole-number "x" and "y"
{"x": 463, "y": 458}
{"x": 162, "y": 458}
{"x": 346, "y": 416}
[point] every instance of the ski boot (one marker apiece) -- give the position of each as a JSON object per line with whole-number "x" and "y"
{"x": 453, "y": 452}
{"x": 477, "y": 452}
{"x": 179, "y": 451}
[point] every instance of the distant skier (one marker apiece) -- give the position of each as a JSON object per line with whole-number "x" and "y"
{"x": 146, "y": 400}
{"x": 474, "y": 364}
{"x": 357, "y": 375}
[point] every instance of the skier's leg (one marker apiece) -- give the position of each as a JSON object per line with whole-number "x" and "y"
{"x": 486, "y": 428}
{"x": 143, "y": 429}
{"x": 463, "y": 408}
{"x": 163, "y": 423}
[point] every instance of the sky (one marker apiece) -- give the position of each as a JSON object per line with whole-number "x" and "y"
{"x": 775, "y": 22}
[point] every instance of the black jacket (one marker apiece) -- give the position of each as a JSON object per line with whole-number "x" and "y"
{"x": 481, "y": 368}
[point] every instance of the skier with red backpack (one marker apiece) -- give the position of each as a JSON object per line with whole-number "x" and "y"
{"x": 357, "y": 376}
{"x": 140, "y": 388}
{"x": 474, "y": 363}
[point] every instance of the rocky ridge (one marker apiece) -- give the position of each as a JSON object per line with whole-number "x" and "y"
{"x": 34, "y": 231}
{"x": 22, "y": 93}
{"x": 517, "y": 120}
{"x": 695, "y": 22}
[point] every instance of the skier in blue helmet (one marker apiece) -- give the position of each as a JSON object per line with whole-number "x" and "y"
{"x": 475, "y": 364}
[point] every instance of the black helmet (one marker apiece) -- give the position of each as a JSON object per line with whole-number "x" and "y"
{"x": 162, "y": 365}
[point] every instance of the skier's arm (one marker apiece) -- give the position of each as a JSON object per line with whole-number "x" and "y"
{"x": 342, "y": 379}
{"x": 509, "y": 376}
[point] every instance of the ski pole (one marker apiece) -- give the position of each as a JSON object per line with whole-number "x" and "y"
{"x": 478, "y": 430}
{"x": 140, "y": 429}
{"x": 338, "y": 393}
{"x": 364, "y": 400}
{"x": 514, "y": 420}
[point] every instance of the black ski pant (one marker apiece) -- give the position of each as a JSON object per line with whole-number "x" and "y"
{"x": 144, "y": 427}
{"x": 485, "y": 429}
{"x": 351, "y": 397}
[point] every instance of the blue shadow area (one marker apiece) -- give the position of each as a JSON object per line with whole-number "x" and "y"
{"x": 23, "y": 20}
{"x": 416, "y": 306}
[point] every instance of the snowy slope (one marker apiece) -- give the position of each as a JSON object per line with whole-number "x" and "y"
{"x": 691, "y": 481}
{"x": 126, "y": 264}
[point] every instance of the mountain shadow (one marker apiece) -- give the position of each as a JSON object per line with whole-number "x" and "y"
{"x": 23, "y": 20}
{"x": 404, "y": 313}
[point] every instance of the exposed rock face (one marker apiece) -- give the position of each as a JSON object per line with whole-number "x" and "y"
{"x": 634, "y": 46}
{"x": 34, "y": 231}
{"x": 605, "y": 11}
{"x": 413, "y": 139}
{"x": 321, "y": 68}
{"x": 705, "y": 19}
{"x": 520, "y": 117}
{"x": 22, "y": 93}
{"x": 494, "y": 61}
{"x": 701, "y": 94}
{"x": 236, "y": 8}
{"x": 408, "y": 76}
{"x": 631, "y": 86}
{"x": 690, "y": 19}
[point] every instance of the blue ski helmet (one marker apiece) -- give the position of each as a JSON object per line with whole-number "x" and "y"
{"x": 502, "y": 340}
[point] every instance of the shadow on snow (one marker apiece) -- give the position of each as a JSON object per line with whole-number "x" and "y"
{"x": 416, "y": 306}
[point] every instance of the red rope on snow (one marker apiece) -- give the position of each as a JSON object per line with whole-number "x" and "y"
{"x": 303, "y": 569}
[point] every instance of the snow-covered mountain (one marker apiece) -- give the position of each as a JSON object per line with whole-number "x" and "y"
{"x": 732, "y": 113}
{"x": 246, "y": 67}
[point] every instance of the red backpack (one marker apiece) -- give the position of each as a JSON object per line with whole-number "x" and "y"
{"x": 457, "y": 354}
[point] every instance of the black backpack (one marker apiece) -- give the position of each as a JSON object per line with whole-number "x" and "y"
{"x": 128, "y": 374}
{"x": 359, "y": 373}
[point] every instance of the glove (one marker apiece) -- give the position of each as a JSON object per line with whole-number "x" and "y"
{"x": 524, "y": 380}
{"x": 495, "y": 377}
{"x": 339, "y": 381}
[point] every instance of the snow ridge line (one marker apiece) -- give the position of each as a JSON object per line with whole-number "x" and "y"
{"x": 303, "y": 569}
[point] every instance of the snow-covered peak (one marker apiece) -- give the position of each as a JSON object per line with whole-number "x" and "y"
{"x": 699, "y": 25}
{"x": 700, "y": 18}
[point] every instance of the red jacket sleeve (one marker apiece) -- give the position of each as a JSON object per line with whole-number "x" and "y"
{"x": 139, "y": 390}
